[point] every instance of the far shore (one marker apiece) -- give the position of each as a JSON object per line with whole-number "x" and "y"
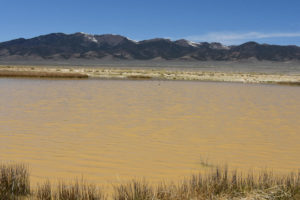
{"x": 147, "y": 74}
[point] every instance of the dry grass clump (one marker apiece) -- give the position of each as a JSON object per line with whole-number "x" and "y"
{"x": 14, "y": 181}
{"x": 219, "y": 184}
{"x": 78, "y": 190}
{"x": 44, "y": 191}
{"x": 134, "y": 190}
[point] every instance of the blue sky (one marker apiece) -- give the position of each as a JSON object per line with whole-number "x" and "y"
{"x": 226, "y": 21}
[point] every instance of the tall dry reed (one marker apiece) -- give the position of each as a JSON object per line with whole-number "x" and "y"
{"x": 14, "y": 181}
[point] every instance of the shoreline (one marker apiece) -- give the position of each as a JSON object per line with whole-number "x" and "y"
{"x": 147, "y": 74}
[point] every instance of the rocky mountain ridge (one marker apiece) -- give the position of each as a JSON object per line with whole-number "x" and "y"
{"x": 60, "y": 46}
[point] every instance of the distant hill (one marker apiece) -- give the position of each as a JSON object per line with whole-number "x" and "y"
{"x": 60, "y": 46}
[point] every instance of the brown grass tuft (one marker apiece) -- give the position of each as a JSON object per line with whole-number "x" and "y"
{"x": 134, "y": 190}
{"x": 78, "y": 190}
{"x": 44, "y": 191}
{"x": 14, "y": 181}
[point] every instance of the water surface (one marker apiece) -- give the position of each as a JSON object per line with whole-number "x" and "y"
{"x": 115, "y": 130}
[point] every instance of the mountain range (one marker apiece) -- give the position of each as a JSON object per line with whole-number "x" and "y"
{"x": 60, "y": 46}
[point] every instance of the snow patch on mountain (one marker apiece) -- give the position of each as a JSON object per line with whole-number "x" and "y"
{"x": 186, "y": 43}
{"x": 193, "y": 44}
{"x": 131, "y": 40}
{"x": 89, "y": 37}
{"x": 216, "y": 45}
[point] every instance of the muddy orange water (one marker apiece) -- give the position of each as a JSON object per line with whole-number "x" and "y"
{"x": 114, "y": 130}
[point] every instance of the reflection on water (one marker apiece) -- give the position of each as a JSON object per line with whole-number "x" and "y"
{"x": 109, "y": 130}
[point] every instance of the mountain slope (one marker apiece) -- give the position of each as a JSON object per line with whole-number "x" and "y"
{"x": 87, "y": 46}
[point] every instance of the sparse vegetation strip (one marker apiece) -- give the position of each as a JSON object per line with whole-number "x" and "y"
{"x": 218, "y": 184}
{"x": 145, "y": 74}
